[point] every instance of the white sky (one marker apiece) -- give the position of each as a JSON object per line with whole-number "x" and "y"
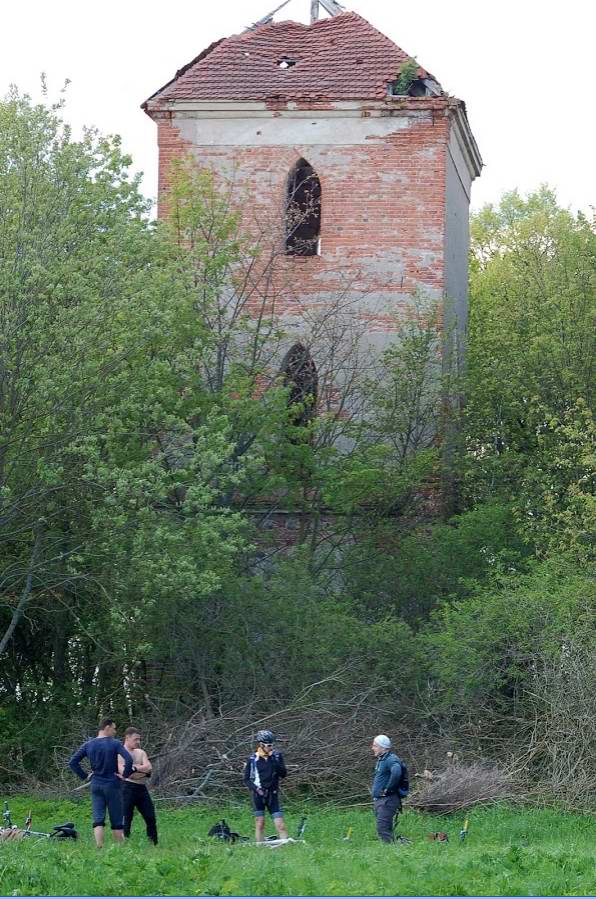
{"x": 524, "y": 68}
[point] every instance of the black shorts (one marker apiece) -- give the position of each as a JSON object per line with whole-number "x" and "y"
{"x": 269, "y": 802}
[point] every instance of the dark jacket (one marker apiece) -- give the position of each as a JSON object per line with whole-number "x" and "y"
{"x": 387, "y": 775}
{"x": 102, "y": 753}
{"x": 264, "y": 774}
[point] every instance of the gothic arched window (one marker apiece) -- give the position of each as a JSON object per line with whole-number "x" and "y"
{"x": 303, "y": 210}
{"x": 300, "y": 375}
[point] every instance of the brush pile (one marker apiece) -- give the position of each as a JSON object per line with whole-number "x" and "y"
{"x": 461, "y": 787}
{"x": 326, "y": 745}
{"x": 325, "y": 740}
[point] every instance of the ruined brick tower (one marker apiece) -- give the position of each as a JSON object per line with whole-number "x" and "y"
{"x": 388, "y": 167}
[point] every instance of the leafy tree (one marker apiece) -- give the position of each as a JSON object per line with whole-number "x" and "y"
{"x": 113, "y": 462}
{"x": 150, "y": 435}
{"x": 531, "y": 358}
{"x": 483, "y": 651}
{"x": 407, "y": 74}
{"x": 73, "y": 245}
{"x": 411, "y": 570}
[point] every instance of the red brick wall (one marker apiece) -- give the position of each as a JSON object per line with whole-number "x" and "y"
{"x": 170, "y": 146}
{"x": 383, "y": 207}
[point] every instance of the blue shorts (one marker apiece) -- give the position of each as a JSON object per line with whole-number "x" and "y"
{"x": 107, "y": 795}
{"x": 269, "y": 802}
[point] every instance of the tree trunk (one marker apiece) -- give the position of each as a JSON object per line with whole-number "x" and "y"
{"x": 26, "y": 594}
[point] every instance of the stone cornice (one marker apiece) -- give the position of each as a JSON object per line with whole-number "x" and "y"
{"x": 391, "y": 107}
{"x": 465, "y": 139}
{"x": 297, "y": 109}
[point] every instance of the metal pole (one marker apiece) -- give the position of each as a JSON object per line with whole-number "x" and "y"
{"x": 268, "y": 18}
{"x": 314, "y": 11}
{"x": 332, "y": 7}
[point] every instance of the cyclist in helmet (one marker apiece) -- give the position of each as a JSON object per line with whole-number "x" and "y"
{"x": 262, "y": 774}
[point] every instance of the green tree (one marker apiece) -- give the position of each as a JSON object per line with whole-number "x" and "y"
{"x": 531, "y": 359}
{"x": 73, "y": 243}
{"x": 484, "y": 651}
{"x": 115, "y": 463}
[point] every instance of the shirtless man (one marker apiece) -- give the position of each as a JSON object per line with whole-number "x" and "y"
{"x": 134, "y": 788}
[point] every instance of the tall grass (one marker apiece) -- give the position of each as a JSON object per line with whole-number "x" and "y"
{"x": 508, "y": 852}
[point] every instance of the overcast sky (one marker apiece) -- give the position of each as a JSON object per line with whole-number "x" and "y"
{"x": 524, "y": 68}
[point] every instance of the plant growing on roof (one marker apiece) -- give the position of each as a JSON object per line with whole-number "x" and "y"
{"x": 407, "y": 74}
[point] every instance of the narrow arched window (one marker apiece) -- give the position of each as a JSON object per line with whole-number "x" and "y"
{"x": 303, "y": 211}
{"x": 300, "y": 375}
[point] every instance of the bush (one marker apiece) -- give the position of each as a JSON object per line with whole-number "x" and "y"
{"x": 560, "y": 728}
{"x": 482, "y": 650}
{"x": 511, "y": 674}
{"x": 409, "y": 573}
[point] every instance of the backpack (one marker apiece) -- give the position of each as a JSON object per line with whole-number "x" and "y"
{"x": 403, "y": 787}
{"x": 221, "y": 831}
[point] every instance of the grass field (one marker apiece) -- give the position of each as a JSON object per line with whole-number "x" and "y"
{"x": 508, "y": 852}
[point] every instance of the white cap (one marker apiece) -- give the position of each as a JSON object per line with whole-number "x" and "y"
{"x": 382, "y": 741}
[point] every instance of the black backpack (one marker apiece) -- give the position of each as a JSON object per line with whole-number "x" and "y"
{"x": 403, "y": 788}
{"x": 221, "y": 831}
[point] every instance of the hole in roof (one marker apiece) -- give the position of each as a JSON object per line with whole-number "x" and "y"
{"x": 286, "y": 62}
{"x": 418, "y": 88}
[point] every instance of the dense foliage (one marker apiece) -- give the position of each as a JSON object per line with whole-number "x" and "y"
{"x": 181, "y": 538}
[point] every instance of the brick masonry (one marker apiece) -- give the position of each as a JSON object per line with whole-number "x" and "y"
{"x": 383, "y": 206}
{"x": 395, "y": 172}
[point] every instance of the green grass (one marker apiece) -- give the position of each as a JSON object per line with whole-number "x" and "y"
{"x": 508, "y": 852}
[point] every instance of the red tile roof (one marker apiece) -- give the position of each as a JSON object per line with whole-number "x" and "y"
{"x": 340, "y": 58}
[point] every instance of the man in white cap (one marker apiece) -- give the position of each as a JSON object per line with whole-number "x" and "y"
{"x": 389, "y": 786}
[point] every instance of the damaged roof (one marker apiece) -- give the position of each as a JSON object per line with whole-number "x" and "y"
{"x": 341, "y": 58}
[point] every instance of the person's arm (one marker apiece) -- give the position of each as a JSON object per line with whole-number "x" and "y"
{"x": 75, "y": 762}
{"x": 394, "y": 778}
{"x": 145, "y": 766}
{"x": 280, "y": 764}
{"x": 128, "y": 762}
{"x": 246, "y": 776}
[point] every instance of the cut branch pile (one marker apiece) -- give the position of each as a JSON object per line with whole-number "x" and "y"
{"x": 326, "y": 744}
{"x": 460, "y": 787}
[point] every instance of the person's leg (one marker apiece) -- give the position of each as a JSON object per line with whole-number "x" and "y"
{"x": 98, "y": 811}
{"x": 280, "y": 826}
{"x": 278, "y": 816}
{"x": 128, "y": 807}
{"x": 396, "y": 837}
{"x": 114, "y": 800}
{"x": 145, "y": 805}
{"x": 258, "y": 810}
{"x": 394, "y": 805}
{"x": 385, "y": 810}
